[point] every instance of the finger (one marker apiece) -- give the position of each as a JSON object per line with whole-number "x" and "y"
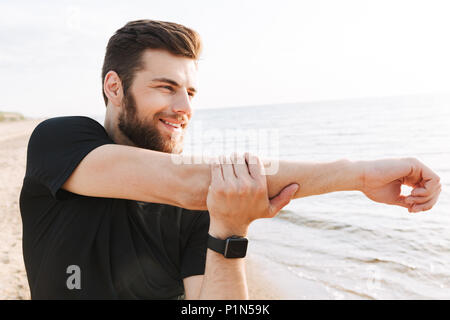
{"x": 227, "y": 168}
{"x": 255, "y": 167}
{"x": 425, "y": 189}
{"x": 419, "y": 192}
{"x": 426, "y": 206}
{"x": 430, "y": 178}
{"x": 432, "y": 185}
{"x": 240, "y": 166}
{"x": 418, "y": 200}
{"x": 216, "y": 171}
{"x": 401, "y": 201}
{"x": 425, "y": 203}
{"x": 283, "y": 198}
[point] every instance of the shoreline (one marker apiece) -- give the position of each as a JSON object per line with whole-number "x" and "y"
{"x": 267, "y": 280}
{"x": 14, "y": 136}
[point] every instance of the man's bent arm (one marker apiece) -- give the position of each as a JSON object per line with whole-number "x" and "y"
{"x": 125, "y": 172}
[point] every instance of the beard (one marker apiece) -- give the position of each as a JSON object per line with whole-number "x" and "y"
{"x": 146, "y": 135}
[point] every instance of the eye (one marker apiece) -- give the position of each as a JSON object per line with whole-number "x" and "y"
{"x": 168, "y": 88}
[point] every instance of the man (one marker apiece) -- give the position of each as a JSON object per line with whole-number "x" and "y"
{"x": 108, "y": 214}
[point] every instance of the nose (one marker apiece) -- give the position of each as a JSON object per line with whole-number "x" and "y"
{"x": 183, "y": 105}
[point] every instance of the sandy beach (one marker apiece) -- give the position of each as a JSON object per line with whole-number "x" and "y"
{"x": 13, "y": 146}
{"x": 14, "y": 138}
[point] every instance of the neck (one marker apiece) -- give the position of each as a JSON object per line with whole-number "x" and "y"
{"x": 112, "y": 128}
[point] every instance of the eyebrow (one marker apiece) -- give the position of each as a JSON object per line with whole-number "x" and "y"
{"x": 172, "y": 82}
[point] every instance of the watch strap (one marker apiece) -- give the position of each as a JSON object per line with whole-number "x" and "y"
{"x": 216, "y": 244}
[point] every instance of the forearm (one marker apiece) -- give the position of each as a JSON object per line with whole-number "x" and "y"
{"x": 316, "y": 178}
{"x": 224, "y": 278}
{"x": 313, "y": 179}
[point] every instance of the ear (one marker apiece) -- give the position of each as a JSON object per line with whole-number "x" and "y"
{"x": 112, "y": 86}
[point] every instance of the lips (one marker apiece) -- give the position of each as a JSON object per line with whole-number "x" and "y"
{"x": 179, "y": 122}
{"x": 171, "y": 123}
{"x": 172, "y": 126}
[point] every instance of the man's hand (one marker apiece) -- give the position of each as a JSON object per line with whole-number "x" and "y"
{"x": 382, "y": 181}
{"x": 238, "y": 195}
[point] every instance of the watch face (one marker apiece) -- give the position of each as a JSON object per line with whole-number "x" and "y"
{"x": 236, "y": 248}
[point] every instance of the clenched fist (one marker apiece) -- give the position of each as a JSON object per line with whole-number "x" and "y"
{"x": 382, "y": 181}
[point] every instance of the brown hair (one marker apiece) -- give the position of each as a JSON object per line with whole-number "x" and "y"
{"x": 125, "y": 47}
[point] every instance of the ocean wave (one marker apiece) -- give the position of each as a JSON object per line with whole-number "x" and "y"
{"x": 329, "y": 224}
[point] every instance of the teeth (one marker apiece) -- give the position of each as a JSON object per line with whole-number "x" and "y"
{"x": 171, "y": 124}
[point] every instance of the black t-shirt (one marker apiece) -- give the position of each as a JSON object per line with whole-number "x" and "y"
{"x": 80, "y": 247}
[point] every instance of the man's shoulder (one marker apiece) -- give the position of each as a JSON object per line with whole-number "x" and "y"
{"x": 60, "y": 128}
{"x": 67, "y": 120}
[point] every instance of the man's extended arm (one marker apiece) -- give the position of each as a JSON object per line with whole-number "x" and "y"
{"x": 118, "y": 171}
{"x": 380, "y": 180}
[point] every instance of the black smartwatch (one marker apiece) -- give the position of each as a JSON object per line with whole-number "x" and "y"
{"x": 232, "y": 247}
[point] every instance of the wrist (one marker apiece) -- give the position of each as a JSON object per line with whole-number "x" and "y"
{"x": 359, "y": 174}
{"x": 222, "y": 231}
{"x": 350, "y": 176}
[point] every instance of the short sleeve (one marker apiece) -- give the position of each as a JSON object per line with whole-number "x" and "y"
{"x": 57, "y": 146}
{"x": 193, "y": 258}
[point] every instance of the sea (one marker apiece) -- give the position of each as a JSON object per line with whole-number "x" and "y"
{"x": 342, "y": 245}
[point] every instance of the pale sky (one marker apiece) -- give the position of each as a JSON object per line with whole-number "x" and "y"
{"x": 255, "y": 52}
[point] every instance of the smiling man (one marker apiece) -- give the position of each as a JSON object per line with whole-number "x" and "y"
{"x": 108, "y": 214}
{"x": 161, "y": 78}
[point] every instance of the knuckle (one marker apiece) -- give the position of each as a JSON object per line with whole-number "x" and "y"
{"x": 243, "y": 188}
{"x": 242, "y": 191}
{"x": 215, "y": 160}
{"x": 224, "y": 159}
{"x": 261, "y": 189}
{"x": 236, "y": 158}
{"x": 219, "y": 190}
{"x": 226, "y": 192}
{"x": 231, "y": 187}
{"x": 240, "y": 159}
{"x": 257, "y": 159}
{"x": 412, "y": 160}
{"x": 252, "y": 159}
